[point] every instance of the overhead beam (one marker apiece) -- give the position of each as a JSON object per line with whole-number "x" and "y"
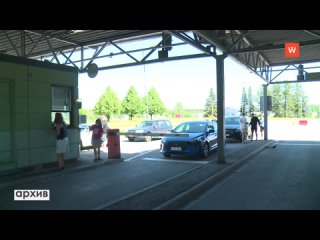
{"x": 295, "y": 81}
{"x": 209, "y": 36}
{"x": 270, "y": 47}
{"x": 192, "y": 42}
{"x": 48, "y": 35}
{"x": 151, "y": 61}
{"x": 295, "y": 62}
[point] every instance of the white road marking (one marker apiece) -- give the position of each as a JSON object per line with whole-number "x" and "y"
{"x": 171, "y": 160}
{"x": 129, "y": 159}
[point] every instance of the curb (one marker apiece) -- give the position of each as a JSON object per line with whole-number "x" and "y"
{"x": 186, "y": 197}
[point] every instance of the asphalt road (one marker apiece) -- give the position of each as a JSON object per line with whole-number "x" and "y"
{"x": 283, "y": 178}
{"x": 143, "y": 167}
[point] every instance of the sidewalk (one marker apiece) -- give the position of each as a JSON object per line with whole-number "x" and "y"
{"x": 85, "y": 161}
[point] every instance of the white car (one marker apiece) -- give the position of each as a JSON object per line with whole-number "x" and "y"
{"x": 85, "y": 136}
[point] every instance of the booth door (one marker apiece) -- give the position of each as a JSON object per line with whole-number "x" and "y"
{"x": 6, "y": 123}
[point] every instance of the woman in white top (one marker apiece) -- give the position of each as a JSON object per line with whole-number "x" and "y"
{"x": 243, "y": 127}
{"x": 105, "y": 126}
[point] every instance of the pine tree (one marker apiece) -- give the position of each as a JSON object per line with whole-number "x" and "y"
{"x": 250, "y": 100}
{"x": 211, "y": 105}
{"x": 244, "y": 101}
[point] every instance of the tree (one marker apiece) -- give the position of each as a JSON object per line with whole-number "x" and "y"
{"x": 257, "y": 98}
{"x": 300, "y": 100}
{"x": 155, "y": 104}
{"x": 107, "y": 104}
{"x": 179, "y": 109}
{"x": 314, "y": 110}
{"x": 250, "y": 100}
{"x": 132, "y": 103}
{"x": 288, "y": 103}
{"x": 288, "y": 100}
{"x": 210, "y": 108}
{"x": 244, "y": 101}
{"x": 275, "y": 92}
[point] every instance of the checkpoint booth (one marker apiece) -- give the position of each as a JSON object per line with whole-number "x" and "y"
{"x": 31, "y": 92}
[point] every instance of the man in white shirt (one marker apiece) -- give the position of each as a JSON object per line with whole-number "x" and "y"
{"x": 243, "y": 127}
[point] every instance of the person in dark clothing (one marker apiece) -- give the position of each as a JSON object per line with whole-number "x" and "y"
{"x": 254, "y": 125}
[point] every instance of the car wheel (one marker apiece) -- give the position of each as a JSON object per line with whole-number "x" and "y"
{"x": 205, "y": 150}
{"x": 131, "y": 139}
{"x": 148, "y": 138}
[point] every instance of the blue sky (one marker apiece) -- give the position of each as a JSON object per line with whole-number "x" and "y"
{"x": 185, "y": 81}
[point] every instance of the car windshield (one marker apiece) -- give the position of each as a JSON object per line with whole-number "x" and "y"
{"x": 191, "y": 127}
{"x": 145, "y": 124}
{"x": 233, "y": 120}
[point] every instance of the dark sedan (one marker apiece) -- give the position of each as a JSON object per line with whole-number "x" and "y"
{"x": 202, "y": 138}
{"x": 232, "y": 126}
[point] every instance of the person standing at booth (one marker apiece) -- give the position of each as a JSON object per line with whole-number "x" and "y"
{"x": 96, "y": 140}
{"x": 243, "y": 127}
{"x": 105, "y": 127}
{"x": 62, "y": 143}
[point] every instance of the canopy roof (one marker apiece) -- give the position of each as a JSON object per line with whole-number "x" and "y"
{"x": 259, "y": 50}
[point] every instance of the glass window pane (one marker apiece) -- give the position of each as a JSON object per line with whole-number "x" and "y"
{"x": 61, "y": 98}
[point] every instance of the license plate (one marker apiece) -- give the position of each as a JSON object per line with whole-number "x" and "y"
{"x": 176, "y": 149}
{"x": 227, "y": 135}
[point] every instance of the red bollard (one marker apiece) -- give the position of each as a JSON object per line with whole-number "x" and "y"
{"x": 113, "y": 143}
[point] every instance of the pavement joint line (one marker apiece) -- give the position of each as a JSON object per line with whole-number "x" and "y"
{"x": 129, "y": 159}
{"x": 110, "y": 203}
{"x": 181, "y": 200}
{"x": 176, "y": 161}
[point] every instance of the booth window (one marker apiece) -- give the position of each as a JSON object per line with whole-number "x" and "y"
{"x": 61, "y": 102}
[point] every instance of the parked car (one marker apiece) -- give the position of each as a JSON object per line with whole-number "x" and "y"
{"x": 85, "y": 136}
{"x": 201, "y": 140}
{"x": 150, "y": 126}
{"x": 232, "y": 127}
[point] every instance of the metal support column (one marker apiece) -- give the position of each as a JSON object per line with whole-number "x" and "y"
{"x": 220, "y": 107}
{"x": 265, "y": 111}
